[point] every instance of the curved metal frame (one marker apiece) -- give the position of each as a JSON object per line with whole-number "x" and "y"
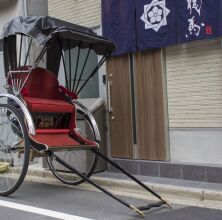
{"x": 91, "y": 118}
{"x": 28, "y": 117}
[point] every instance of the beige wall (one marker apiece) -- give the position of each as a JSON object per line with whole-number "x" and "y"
{"x": 82, "y": 12}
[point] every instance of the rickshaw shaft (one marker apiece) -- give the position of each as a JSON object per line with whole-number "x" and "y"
{"x": 129, "y": 175}
{"x": 88, "y": 180}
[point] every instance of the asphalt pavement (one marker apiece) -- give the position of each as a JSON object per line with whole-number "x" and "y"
{"x": 39, "y": 201}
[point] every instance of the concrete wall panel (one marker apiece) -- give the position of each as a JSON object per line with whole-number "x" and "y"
{"x": 202, "y": 146}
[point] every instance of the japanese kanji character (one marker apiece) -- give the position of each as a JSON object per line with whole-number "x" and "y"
{"x": 194, "y": 4}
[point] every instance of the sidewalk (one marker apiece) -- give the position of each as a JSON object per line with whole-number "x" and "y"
{"x": 190, "y": 193}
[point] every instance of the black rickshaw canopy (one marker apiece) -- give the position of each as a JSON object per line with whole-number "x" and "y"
{"x": 44, "y": 28}
{"x": 55, "y": 37}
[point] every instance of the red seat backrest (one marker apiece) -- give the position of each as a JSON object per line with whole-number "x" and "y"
{"x": 42, "y": 83}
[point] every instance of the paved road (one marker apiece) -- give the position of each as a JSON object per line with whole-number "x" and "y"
{"x": 71, "y": 203}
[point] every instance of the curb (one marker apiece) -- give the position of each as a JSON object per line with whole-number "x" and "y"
{"x": 189, "y": 196}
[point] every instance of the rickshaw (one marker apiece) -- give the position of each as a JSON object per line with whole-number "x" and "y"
{"x": 38, "y": 113}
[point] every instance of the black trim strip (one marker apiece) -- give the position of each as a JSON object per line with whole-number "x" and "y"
{"x": 20, "y": 51}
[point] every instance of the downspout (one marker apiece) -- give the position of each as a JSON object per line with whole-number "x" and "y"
{"x": 23, "y": 12}
{"x": 23, "y": 7}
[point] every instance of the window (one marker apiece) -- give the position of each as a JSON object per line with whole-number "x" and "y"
{"x": 91, "y": 89}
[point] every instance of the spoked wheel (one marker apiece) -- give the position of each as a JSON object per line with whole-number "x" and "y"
{"x": 84, "y": 161}
{"x": 14, "y": 149}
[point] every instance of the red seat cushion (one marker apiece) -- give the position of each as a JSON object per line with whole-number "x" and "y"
{"x": 48, "y": 105}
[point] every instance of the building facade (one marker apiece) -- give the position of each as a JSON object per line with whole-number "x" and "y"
{"x": 188, "y": 104}
{"x": 166, "y": 115}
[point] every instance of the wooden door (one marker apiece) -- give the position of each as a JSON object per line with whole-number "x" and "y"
{"x": 119, "y": 106}
{"x": 151, "y": 121}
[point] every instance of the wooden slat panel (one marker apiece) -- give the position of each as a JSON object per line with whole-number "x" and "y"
{"x": 121, "y": 126}
{"x": 150, "y": 106}
{"x": 194, "y": 76}
{"x": 82, "y": 12}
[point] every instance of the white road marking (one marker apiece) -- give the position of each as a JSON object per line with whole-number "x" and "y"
{"x": 40, "y": 211}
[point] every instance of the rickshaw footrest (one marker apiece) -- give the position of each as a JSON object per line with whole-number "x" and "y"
{"x": 151, "y": 205}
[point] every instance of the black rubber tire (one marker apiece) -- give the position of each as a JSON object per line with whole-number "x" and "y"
{"x": 26, "y": 151}
{"x": 90, "y": 171}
